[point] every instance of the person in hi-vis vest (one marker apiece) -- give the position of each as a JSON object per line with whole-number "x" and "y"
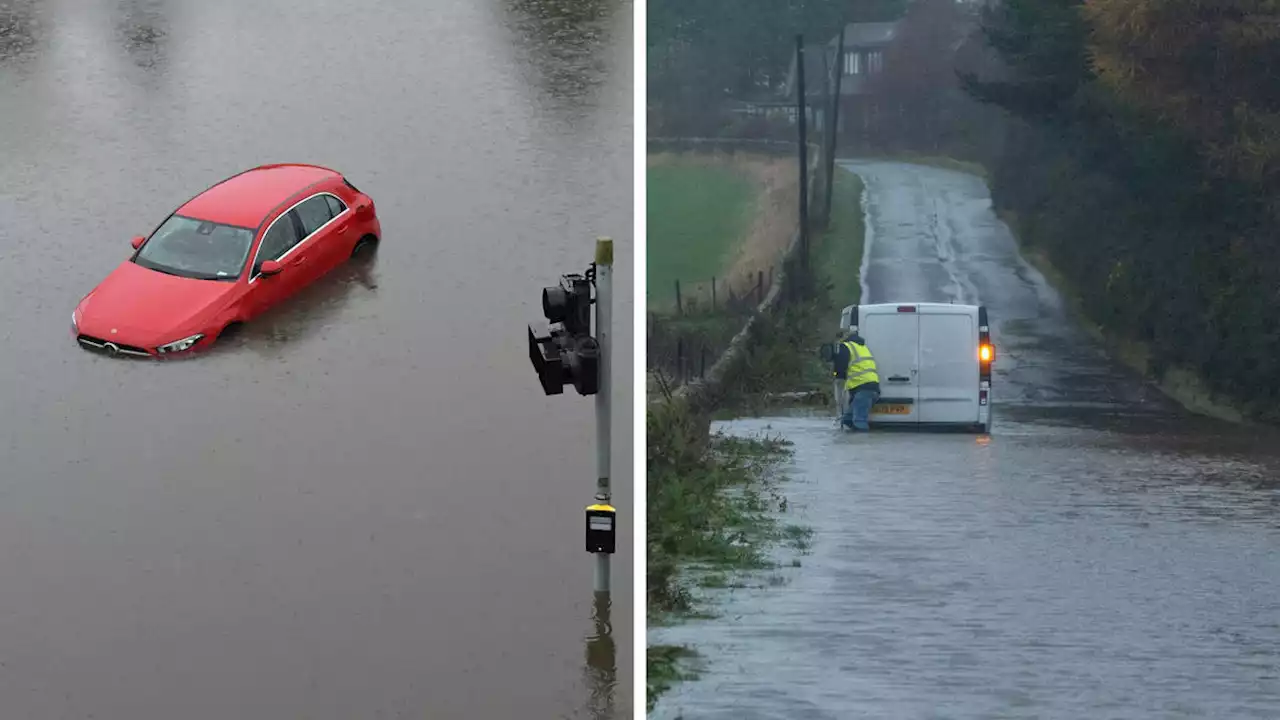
{"x": 854, "y": 363}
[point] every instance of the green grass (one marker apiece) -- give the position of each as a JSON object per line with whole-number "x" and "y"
{"x": 696, "y": 216}
{"x": 667, "y": 665}
{"x": 838, "y": 250}
{"x": 712, "y": 512}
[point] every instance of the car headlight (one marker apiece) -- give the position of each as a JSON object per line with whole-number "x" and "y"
{"x": 75, "y": 327}
{"x": 180, "y": 345}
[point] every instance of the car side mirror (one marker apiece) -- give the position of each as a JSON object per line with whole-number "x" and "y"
{"x": 137, "y": 241}
{"x": 827, "y": 352}
{"x": 269, "y": 268}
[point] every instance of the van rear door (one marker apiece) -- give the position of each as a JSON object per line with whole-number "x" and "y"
{"x": 893, "y": 336}
{"x": 948, "y": 379}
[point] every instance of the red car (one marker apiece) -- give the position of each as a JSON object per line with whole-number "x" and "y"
{"x": 227, "y": 255}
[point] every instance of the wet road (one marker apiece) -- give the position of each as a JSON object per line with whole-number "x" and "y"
{"x": 1101, "y": 554}
{"x": 363, "y": 507}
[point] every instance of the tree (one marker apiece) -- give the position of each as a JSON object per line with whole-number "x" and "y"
{"x": 1042, "y": 44}
{"x": 1206, "y": 66}
{"x": 918, "y": 87}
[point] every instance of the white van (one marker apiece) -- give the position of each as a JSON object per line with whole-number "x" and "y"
{"x": 934, "y": 362}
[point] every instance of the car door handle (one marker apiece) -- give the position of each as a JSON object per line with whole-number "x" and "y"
{"x": 898, "y": 378}
{"x": 344, "y": 227}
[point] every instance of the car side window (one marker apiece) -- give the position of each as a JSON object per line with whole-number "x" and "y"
{"x": 282, "y": 236}
{"x": 336, "y": 206}
{"x": 313, "y": 212}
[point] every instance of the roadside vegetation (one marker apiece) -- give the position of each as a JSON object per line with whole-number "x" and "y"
{"x": 714, "y": 504}
{"x": 1148, "y": 184}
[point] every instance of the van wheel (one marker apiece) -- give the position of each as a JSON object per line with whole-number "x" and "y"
{"x": 364, "y": 247}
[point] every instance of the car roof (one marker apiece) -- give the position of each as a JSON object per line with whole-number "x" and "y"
{"x": 246, "y": 199}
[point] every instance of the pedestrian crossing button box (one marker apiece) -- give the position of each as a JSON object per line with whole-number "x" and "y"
{"x": 602, "y": 529}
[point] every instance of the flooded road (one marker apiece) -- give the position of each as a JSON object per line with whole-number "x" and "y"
{"x": 1101, "y": 554}
{"x": 364, "y": 506}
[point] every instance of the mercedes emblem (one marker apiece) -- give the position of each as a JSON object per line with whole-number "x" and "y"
{"x": 112, "y": 348}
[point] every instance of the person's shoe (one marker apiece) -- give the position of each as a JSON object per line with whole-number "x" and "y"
{"x": 846, "y": 424}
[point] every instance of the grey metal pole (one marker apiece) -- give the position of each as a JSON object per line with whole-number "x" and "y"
{"x": 604, "y": 336}
{"x": 803, "y": 122}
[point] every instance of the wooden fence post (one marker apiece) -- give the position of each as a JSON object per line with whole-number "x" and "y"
{"x": 680, "y": 359}
{"x": 713, "y": 293}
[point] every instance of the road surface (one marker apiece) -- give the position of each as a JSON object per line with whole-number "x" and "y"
{"x": 359, "y": 509}
{"x": 1101, "y": 555}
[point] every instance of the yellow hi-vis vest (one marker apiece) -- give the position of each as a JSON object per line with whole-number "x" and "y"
{"x": 862, "y": 366}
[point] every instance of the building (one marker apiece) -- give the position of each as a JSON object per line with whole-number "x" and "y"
{"x": 860, "y": 60}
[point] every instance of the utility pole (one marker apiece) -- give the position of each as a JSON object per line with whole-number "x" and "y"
{"x": 568, "y": 354}
{"x": 833, "y": 132}
{"x": 802, "y": 123}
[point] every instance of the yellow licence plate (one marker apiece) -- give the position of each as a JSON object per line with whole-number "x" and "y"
{"x": 891, "y": 410}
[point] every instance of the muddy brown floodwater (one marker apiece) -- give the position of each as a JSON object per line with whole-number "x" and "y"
{"x": 364, "y": 506}
{"x": 1102, "y": 554}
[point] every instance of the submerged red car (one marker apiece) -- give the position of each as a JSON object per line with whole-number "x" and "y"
{"x": 228, "y": 254}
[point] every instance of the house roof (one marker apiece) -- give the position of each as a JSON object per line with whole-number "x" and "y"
{"x": 816, "y": 58}
{"x": 864, "y": 35}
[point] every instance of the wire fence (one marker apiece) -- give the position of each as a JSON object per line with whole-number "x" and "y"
{"x": 685, "y": 337}
{"x": 719, "y": 294}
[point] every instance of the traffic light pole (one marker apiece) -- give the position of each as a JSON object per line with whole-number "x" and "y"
{"x": 568, "y": 354}
{"x": 604, "y": 397}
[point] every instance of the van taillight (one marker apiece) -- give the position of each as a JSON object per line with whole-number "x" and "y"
{"x": 982, "y": 397}
{"x": 906, "y": 308}
{"x": 986, "y": 353}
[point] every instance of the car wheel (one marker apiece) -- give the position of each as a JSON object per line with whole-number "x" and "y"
{"x": 364, "y": 246}
{"x": 231, "y": 330}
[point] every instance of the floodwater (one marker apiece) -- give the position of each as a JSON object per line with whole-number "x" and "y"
{"x": 364, "y": 506}
{"x": 1101, "y": 555}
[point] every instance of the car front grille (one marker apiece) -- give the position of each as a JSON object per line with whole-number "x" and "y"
{"x": 110, "y": 348}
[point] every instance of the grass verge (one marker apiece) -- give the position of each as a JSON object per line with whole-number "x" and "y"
{"x": 838, "y": 250}
{"x": 713, "y": 504}
{"x": 938, "y": 161}
{"x": 697, "y": 213}
{"x": 666, "y": 666}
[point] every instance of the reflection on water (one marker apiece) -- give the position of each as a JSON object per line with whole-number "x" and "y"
{"x": 313, "y": 310}
{"x": 563, "y": 40}
{"x": 602, "y": 660}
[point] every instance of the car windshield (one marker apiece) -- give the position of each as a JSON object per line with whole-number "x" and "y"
{"x": 198, "y": 249}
